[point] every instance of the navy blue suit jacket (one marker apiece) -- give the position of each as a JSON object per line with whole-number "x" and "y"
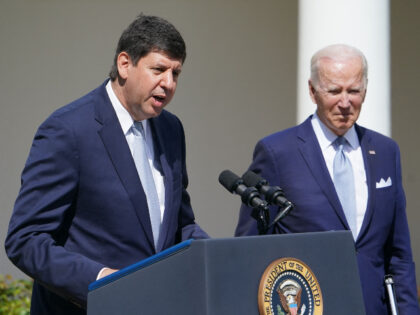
{"x": 292, "y": 159}
{"x": 81, "y": 206}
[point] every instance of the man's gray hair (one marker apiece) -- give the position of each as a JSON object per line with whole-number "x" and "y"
{"x": 339, "y": 52}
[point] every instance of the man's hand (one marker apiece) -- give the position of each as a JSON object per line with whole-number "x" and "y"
{"x": 106, "y": 272}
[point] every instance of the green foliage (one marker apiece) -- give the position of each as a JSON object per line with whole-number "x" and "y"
{"x": 15, "y": 296}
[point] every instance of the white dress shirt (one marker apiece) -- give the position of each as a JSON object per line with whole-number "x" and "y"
{"x": 126, "y": 122}
{"x": 354, "y": 152}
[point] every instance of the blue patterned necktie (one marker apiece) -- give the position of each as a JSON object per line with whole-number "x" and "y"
{"x": 143, "y": 168}
{"x": 344, "y": 183}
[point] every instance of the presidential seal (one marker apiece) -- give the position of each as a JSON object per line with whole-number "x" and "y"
{"x": 289, "y": 287}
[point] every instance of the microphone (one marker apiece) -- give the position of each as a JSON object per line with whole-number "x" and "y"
{"x": 249, "y": 195}
{"x": 273, "y": 194}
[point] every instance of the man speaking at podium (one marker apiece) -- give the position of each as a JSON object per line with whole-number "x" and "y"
{"x": 341, "y": 176}
{"x": 105, "y": 182}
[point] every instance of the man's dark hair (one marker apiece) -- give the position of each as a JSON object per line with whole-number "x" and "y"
{"x": 146, "y": 34}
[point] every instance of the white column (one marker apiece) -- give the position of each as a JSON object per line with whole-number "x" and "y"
{"x": 363, "y": 24}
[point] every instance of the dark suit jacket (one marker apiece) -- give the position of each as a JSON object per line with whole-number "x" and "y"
{"x": 292, "y": 159}
{"x": 81, "y": 206}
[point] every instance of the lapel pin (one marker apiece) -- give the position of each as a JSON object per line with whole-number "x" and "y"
{"x": 372, "y": 152}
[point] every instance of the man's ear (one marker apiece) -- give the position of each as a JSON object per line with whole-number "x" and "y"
{"x": 312, "y": 91}
{"x": 123, "y": 64}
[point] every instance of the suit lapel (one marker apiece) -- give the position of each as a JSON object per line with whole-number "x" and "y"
{"x": 312, "y": 154}
{"x": 160, "y": 143}
{"x": 369, "y": 159}
{"x": 116, "y": 145}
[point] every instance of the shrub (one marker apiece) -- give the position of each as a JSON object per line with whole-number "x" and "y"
{"x": 15, "y": 296}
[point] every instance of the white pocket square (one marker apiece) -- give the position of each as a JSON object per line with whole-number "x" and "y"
{"x": 384, "y": 183}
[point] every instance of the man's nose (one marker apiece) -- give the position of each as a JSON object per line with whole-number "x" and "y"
{"x": 344, "y": 100}
{"x": 167, "y": 80}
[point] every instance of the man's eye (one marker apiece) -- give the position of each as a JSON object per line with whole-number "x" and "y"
{"x": 334, "y": 92}
{"x": 354, "y": 91}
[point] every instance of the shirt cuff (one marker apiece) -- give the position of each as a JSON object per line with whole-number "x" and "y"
{"x": 100, "y": 273}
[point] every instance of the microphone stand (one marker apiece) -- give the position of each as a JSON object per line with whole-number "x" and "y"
{"x": 389, "y": 283}
{"x": 261, "y": 213}
{"x": 281, "y": 214}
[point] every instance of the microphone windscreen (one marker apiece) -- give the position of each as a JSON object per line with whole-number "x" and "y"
{"x": 251, "y": 179}
{"x": 229, "y": 180}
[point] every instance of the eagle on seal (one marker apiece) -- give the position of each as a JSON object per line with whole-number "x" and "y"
{"x": 290, "y": 299}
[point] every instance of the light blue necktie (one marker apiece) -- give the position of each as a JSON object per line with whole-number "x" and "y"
{"x": 344, "y": 183}
{"x": 143, "y": 168}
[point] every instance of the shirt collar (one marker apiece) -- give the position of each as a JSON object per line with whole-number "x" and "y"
{"x": 124, "y": 117}
{"x": 326, "y": 137}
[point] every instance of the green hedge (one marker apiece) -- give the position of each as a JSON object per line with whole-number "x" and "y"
{"x": 15, "y": 296}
